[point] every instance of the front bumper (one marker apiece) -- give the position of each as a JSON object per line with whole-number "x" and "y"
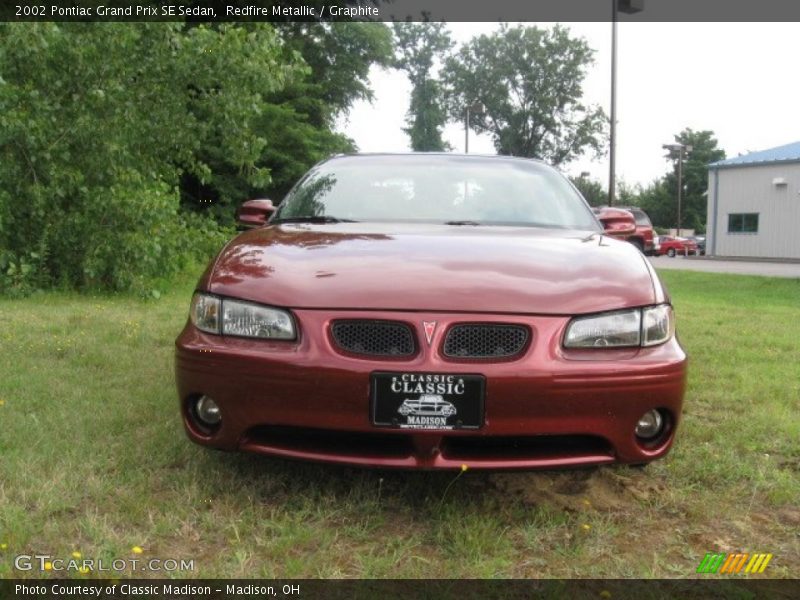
{"x": 550, "y": 408}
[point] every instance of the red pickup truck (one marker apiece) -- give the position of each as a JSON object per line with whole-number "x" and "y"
{"x": 644, "y": 236}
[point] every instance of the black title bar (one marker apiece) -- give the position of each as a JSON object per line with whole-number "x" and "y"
{"x": 388, "y": 589}
{"x": 390, "y": 10}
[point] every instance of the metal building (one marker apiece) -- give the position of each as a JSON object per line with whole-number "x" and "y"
{"x": 754, "y": 204}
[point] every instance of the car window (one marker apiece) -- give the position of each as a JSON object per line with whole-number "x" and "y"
{"x": 433, "y": 188}
{"x": 641, "y": 218}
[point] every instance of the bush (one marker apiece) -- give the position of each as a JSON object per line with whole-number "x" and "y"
{"x": 99, "y": 123}
{"x": 119, "y": 238}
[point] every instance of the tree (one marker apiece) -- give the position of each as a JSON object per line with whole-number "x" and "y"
{"x": 627, "y": 194}
{"x": 110, "y": 132}
{"x": 659, "y": 199}
{"x": 695, "y": 178}
{"x": 98, "y": 125}
{"x": 531, "y": 82}
{"x": 417, "y": 47}
{"x": 591, "y": 189}
{"x": 298, "y": 119}
{"x": 339, "y": 56}
{"x": 658, "y": 202}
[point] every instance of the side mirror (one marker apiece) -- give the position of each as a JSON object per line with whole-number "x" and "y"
{"x": 617, "y": 222}
{"x": 255, "y": 213}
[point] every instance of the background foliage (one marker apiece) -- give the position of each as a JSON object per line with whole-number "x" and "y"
{"x": 124, "y": 147}
{"x": 419, "y": 45}
{"x": 99, "y": 123}
{"x": 531, "y": 82}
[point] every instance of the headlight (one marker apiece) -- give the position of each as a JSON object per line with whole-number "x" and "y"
{"x": 235, "y": 317}
{"x": 253, "y": 320}
{"x": 625, "y": 328}
{"x": 205, "y": 313}
{"x": 610, "y": 330}
{"x": 658, "y": 324}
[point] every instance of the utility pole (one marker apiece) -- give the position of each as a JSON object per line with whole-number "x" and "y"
{"x": 681, "y": 149}
{"x": 629, "y": 7}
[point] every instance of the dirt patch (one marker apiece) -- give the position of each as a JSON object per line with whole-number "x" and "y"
{"x": 599, "y": 489}
{"x": 789, "y": 515}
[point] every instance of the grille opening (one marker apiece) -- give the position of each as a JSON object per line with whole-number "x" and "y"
{"x": 374, "y": 338}
{"x": 485, "y": 340}
{"x": 322, "y": 441}
{"x": 525, "y": 447}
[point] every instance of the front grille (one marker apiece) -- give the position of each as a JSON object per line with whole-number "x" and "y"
{"x": 374, "y": 338}
{"x": 485, "y": 340}
{"x": 329, "y": 442}
{"x": 543, "y": 447}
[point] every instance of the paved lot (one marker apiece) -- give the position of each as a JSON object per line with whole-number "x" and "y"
{"x": 740, "y": 267}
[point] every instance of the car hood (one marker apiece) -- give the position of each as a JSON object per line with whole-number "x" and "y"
{"x": 414, "y": 267}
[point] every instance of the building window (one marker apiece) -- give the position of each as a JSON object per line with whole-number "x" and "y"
{"x": 743, "y": 223}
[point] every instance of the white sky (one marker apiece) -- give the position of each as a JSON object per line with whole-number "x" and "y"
{"x": 739, "y": 80}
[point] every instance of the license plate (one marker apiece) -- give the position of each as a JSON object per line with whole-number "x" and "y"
{"x": 427, "y": 400}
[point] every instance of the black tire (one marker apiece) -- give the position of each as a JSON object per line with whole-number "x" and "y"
{"x": 671, "y": 252}
{"x": 638, "y": 243}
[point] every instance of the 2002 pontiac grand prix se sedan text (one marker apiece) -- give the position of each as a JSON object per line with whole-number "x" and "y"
{"x": 432, "y": 310}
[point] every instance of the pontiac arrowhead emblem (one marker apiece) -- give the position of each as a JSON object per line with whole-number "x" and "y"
{"x": 430, "y": 327}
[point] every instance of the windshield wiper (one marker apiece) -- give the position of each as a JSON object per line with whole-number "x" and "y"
{"x": 313, "y": 219}
{"x": 473, "y": 223}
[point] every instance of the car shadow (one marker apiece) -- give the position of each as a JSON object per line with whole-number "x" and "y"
{"x": 604, "y": 488}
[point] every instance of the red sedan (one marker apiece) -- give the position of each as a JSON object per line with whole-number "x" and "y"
{"x": 432, "y": 311}
{"x": 675, "y": 245}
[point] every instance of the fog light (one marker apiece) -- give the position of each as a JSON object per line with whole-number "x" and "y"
{"x": 650, "y": 425}
{"x": 207, "y": 411}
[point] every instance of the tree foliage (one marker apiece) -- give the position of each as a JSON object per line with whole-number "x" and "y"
{"x": 591, "y": 189}
{"x": 658, "y": 202}
{"x": 531, "y": 82}
{"x": 339, "y": 57}
{"x": 418, "y": 46}
{"x": 704, "y": 151}
{"x": 99, "y": 122}
{"x": 118, "y": 141}
{"x": 298, "y": 118}
{"x": 660, "y": 198}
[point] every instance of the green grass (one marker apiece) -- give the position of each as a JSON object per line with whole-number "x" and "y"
{"x": 93, "y": 459}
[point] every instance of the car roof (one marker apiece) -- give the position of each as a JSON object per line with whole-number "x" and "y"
{"x": 445, "y": 155}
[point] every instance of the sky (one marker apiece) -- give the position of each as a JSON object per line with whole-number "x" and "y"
{"x": 739, "y": 80}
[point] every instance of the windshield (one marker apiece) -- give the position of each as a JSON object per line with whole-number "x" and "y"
{"x": 641, "y": 218}
{"x": 437, "y": 189}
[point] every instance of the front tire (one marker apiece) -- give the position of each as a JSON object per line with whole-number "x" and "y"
{"x": 671, "y": 252}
